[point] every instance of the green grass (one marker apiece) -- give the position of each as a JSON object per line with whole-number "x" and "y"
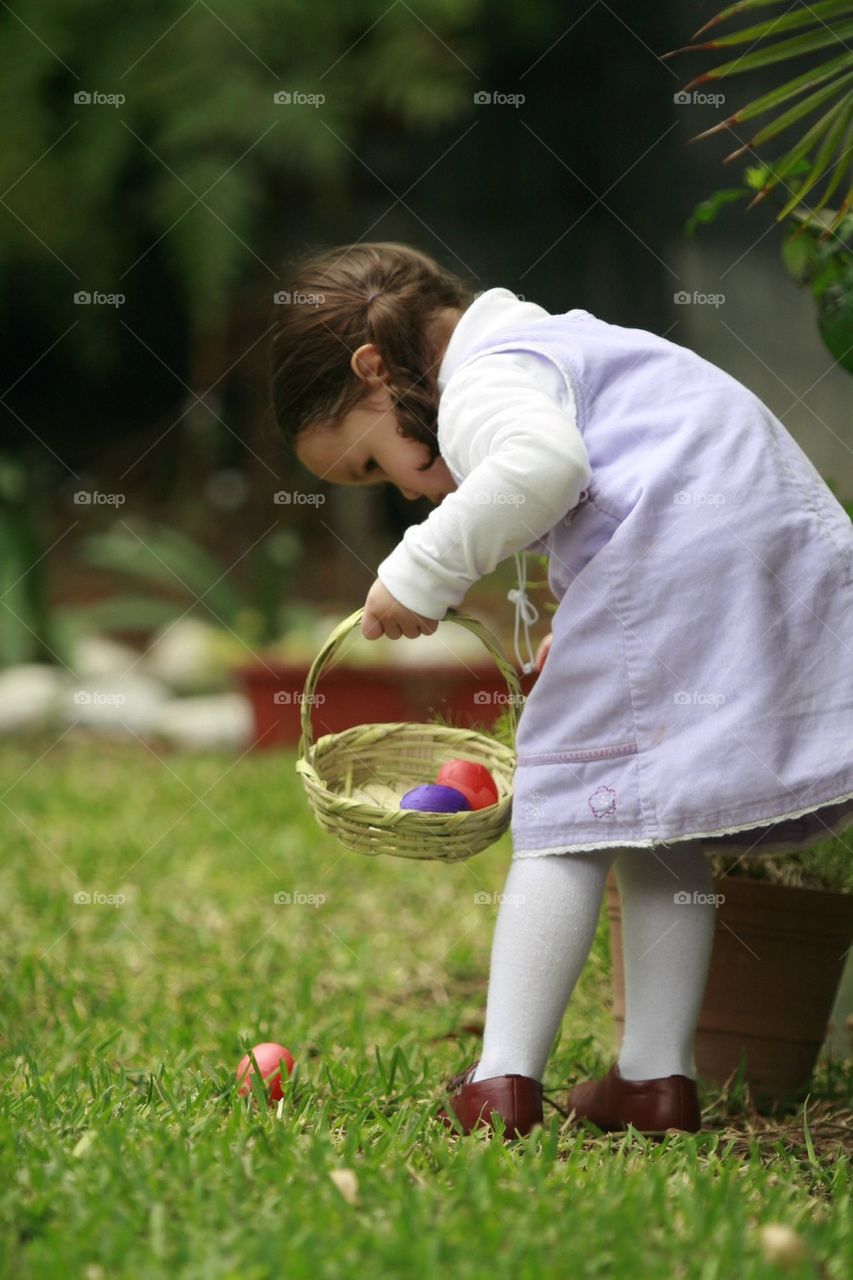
{"x": 126, "y": 1151}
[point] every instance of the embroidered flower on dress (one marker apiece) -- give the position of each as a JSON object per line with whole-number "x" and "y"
{"x": 603, "y": 802}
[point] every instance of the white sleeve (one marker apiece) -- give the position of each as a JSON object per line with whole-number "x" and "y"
{"x": 524, "y": 464}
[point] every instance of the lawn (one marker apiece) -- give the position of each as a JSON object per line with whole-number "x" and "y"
{"x": 127, "y": 1152}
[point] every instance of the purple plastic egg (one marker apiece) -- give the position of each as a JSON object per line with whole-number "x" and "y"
{"x": 433, "y": 797}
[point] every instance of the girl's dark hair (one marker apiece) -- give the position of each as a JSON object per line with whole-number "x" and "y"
{"x": 323, "y": 315}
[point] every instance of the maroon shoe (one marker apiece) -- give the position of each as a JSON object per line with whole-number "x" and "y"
{"x": 516, "y": 1098}
{"x": 651, "y": 1106}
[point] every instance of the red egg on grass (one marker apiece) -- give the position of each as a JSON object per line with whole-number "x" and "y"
{"x": 268, "y": 1057}
{"x": 473, "y": 780}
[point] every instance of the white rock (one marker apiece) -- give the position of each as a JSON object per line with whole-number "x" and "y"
{"x": 93, "y": 656}
{"x": 29, "y": 696}
{"x": 190, "y": 655}
{"x": 225, "y": 720}
{"x": 115, "y": 703}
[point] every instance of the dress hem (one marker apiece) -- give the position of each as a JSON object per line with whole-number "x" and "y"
{"x": 843, "y": 823}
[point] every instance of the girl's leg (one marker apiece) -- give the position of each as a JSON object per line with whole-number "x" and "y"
{"x": 667, "y": 930}
{"x": 545, "y": 926}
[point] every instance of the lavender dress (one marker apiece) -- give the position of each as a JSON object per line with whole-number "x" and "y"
{"x": 700, "y": 683}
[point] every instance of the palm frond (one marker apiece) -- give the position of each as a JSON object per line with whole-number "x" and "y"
{"x": 781, "y": 169}
{"x": 823, "y": 159}
{"x": 741, "y": 7}
{"x": 791, "y": 116}
{"x": 777, "y": 96}
{"x": 826, "y": 142}
{"x": 790, "y": 21}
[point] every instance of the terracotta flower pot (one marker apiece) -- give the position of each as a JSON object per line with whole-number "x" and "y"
{"x": 776, "y": 963}
{"x": 465, "y": 694}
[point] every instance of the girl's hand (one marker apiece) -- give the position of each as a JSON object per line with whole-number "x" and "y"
{"x": 385, "y": 615}
{"x": 543, "y": 651}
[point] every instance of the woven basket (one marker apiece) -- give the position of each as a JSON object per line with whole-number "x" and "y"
{"x": 354, "y": 780}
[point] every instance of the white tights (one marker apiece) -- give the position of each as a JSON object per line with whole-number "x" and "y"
{"x": 544, "y": 929}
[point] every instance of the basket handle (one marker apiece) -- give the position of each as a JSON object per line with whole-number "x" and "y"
{"x": 337, "y": 636}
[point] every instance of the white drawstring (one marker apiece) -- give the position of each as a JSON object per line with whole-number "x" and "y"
{"x": 525, "y": 611}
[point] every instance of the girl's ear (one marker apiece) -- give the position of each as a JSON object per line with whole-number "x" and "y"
{"x": 368, "y": 364}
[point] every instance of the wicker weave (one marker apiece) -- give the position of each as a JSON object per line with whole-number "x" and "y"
{"x": 354, "y": 780}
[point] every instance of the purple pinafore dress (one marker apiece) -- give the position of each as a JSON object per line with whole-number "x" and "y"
{"x": 700, "y": 682}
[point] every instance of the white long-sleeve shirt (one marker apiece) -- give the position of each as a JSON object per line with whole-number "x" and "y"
{"x": 508, "y": 432}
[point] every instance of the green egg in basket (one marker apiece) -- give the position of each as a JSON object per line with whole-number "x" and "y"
{"x": 354, "y": 780}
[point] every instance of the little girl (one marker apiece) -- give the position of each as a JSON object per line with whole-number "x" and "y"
{"x": 698, "y": 692}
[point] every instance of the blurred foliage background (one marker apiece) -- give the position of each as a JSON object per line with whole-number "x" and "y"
{"x": 160, "y": 159}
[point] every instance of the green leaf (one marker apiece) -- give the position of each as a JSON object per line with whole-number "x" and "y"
{"x": 791, "y": 116}
{"x": 805, "y": 16}
{"x": 835, "y": 320}
{"x": 779, "y": 52}
{"x": 26, "y": 630}
{"x": 784, "y": 167}
{"x": 165, "y": 558}
{"x": 121, "y": 613}
{"x": 802, "y": 256}
{"x": 16, "y": 638}
{"x": 741, "y": 7}
{"x": 842, "y": 164}
{"x": 707, "y": 210}
{"x": 821, "y": 162}
{"x": 807, "y": 80}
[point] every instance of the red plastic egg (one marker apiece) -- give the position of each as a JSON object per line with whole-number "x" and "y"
{"x": 268, "y": 1058}
{"x": 473, "y": 780}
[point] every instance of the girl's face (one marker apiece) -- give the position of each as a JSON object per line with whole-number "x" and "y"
{"x": 366, "y": 447}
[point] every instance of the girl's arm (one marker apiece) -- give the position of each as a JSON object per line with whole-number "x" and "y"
{"x": 524, "y": 465}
